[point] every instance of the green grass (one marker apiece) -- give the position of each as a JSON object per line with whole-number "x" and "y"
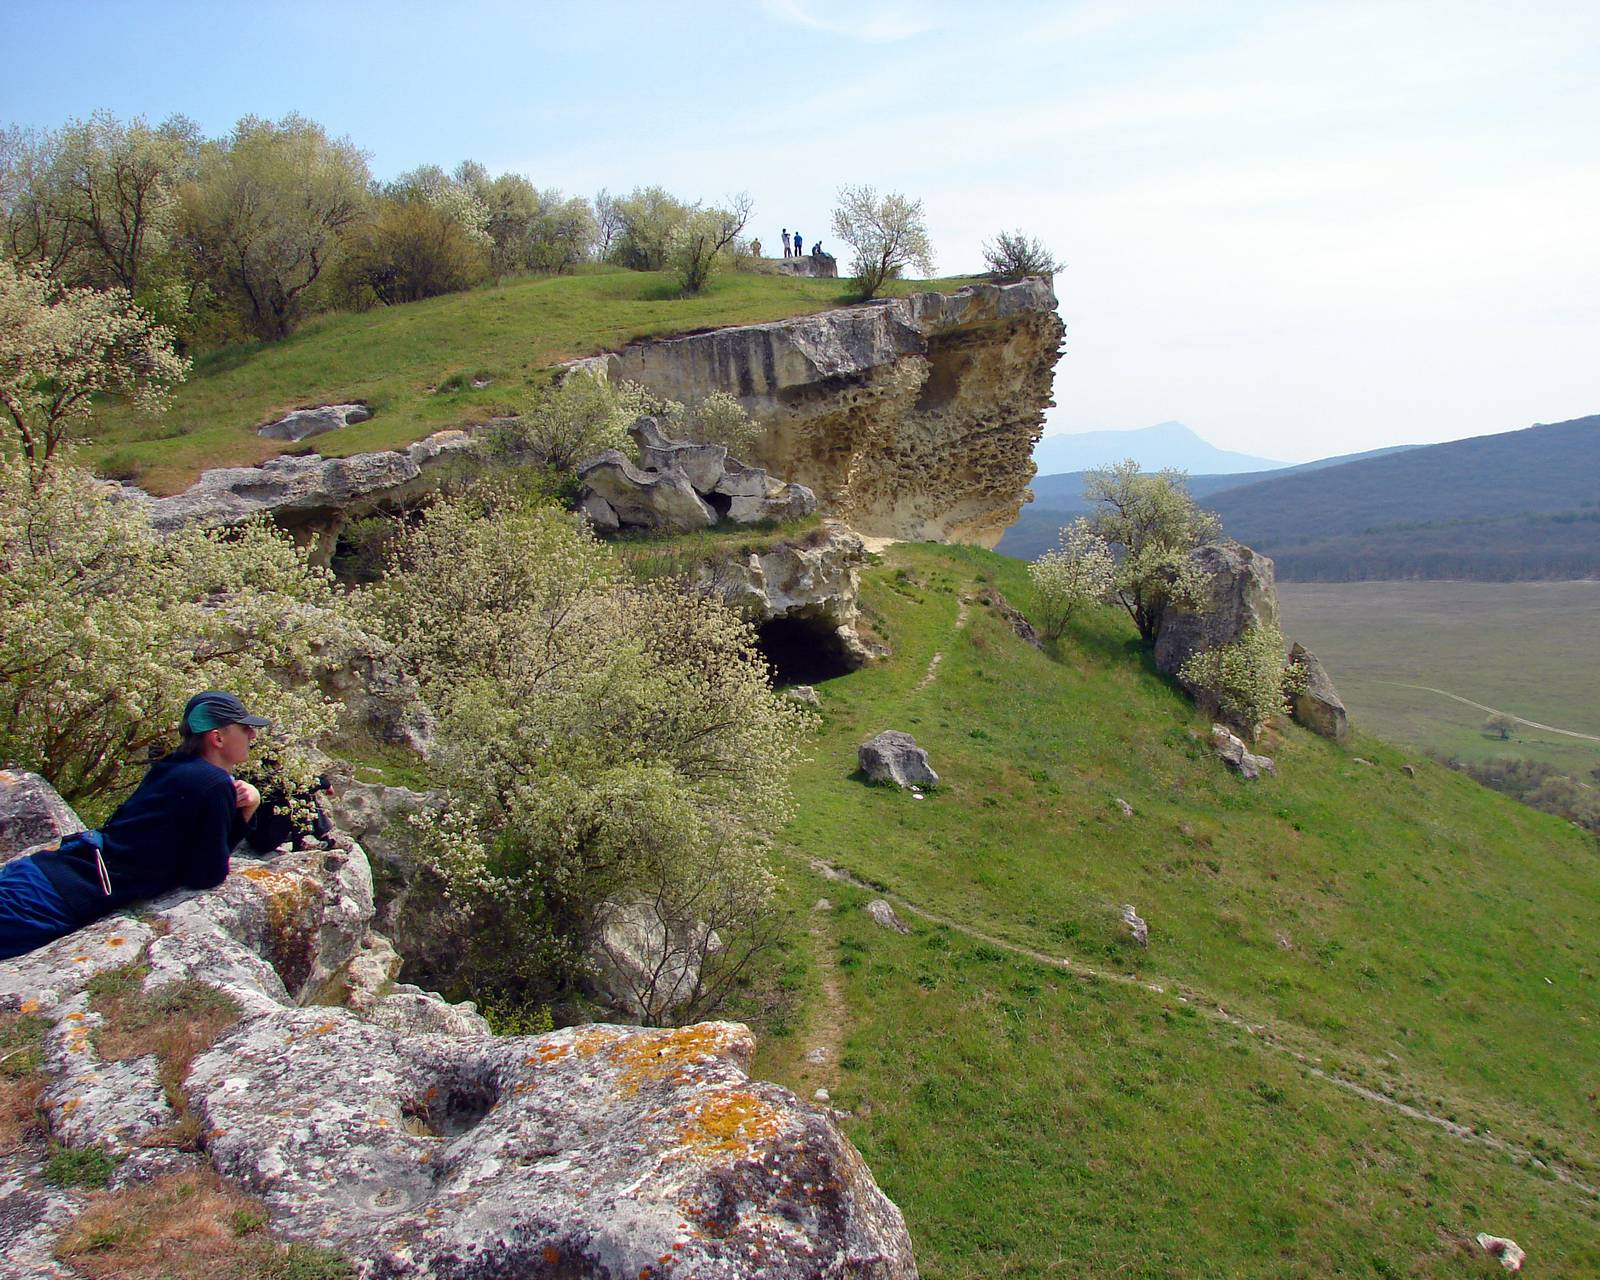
{"x": 401, "y": 360}
{"x": 1422, "y": 936}
{"x": 1526, "y": 648}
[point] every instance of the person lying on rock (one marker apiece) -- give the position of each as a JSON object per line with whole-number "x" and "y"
{"x": 176, "y": 830}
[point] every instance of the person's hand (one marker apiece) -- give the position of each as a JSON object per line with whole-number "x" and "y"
{"x": 246, "y": 797}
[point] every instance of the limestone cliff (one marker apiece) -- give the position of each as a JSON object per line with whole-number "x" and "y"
{"x": 910, "y": 417}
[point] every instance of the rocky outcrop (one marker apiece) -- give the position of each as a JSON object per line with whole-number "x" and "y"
{"x": 302, "y": 424}
{"x": 892, "y": 756}
{"x": 908, "y": 417}
{"x": 680, "y": 486}
{"x": 1238, "y": 593}
{"x": 812, "y": 580}
{"x": 394, "y": 1130}
{"x": 1313, "y": 700}
{"x": 819, "y": 266}
{"x": 311, "y": 496}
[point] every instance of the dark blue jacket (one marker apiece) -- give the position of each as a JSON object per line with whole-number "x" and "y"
{"x": 176, "y": 830}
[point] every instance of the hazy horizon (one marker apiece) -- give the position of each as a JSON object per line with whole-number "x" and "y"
{"x": 1300, "y": 230}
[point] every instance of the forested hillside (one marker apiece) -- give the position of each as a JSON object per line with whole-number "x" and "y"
{"x": 1519, "y": 505}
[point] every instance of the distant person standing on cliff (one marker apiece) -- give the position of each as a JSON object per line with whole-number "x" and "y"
{"x": 755, "y": 248}
{"x": 797, "y": 244}
{"x": 786, "y": 251}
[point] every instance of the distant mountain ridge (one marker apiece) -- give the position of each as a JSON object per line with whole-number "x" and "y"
{"x": 1513, "y": 506}
{"x": 1167, "y": 444}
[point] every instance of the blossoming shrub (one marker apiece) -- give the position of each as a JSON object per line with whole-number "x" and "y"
{"x": 602, "y": 745}
{"x": 109, "y": 628}
{"x": 1245, "y": 682}
{"x": 1079, "y": 572}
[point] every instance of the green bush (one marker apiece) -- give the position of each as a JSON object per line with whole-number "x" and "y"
{"x": 1244, "y": 682}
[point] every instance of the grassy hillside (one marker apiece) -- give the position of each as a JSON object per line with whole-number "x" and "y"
{"x": 414, "y": 364}
{"x": 1044, "y": 1098}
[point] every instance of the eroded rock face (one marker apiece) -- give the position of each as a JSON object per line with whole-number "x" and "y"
{"x": 394, "y": 1130}
{"x": 305, "y": 423}
{"x": 815, "y": 579}
{"x": 659, "y": 501}
{"x": 311, "y": 496}
{"x": 1240, "y": 593}
{"x": 1316, "y": 704}
{"x": 908, "y": 417}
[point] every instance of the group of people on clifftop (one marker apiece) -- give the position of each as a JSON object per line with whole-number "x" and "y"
{"x": 792, "y": 246}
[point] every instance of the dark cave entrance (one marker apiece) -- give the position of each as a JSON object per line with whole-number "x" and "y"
{"x": 803, "y": 650}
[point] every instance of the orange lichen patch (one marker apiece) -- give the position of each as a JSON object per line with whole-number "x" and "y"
{"x": 552, "y": 1255}
{"x": 666, "y": 1055}
{"x": 28, "y": 1006}
{"x": 75, "y": 1017}
{"x": 71, "y": 1105}
{"x": 547, "y": 1053}
{"x": 115, "y": 942}
{"x": 323, "y": 1028}
{"x": 731, "y": 1122}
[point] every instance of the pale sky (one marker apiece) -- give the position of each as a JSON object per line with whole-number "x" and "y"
{"x": 1301, "y": 229}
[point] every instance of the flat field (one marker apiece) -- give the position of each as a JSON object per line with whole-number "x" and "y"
{"x": 1529, "y": 649}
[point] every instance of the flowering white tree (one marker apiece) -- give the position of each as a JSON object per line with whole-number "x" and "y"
{"x": 1244, "y": 682}
{"x": 110, "y": 627}
{"x": 601, "y": 742}
{"x": 59, "y": 348}
{"x": 887, "y": 235}
{"x": 1080, "y": 571}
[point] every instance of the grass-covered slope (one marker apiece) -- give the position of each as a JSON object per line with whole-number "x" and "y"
{"x": 1044, "y": 1098}
{"x": 414, "y": 365}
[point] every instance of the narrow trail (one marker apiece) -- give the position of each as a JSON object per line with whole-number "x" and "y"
{"x": 1494, "y": 711}
{"x": 819, "y": 1067}
{"x": 1211, "y": 1008}
{"x": 933, "y": 663}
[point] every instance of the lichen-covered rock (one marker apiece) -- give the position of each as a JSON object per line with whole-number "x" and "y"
{"x": 422, "y": 1147}
{"x": 31, "y": 813}
{"x": 1314, "y": 702}
{"x": 907, "y": 417}
{"x": 660, "y": 501}
{"x": 305, "y": 423}
{"x": 1231, "y": 750}
{"x": 594, "y": 1151}
{"x": 892, "y": 756}
{"x": 1239, "y": 593}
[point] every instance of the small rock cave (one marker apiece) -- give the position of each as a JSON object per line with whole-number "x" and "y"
{"x": 803, "y": 650}
{"x": 454, "y": 1105}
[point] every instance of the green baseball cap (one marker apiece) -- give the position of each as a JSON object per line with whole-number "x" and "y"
{"x": 213, "y": 708}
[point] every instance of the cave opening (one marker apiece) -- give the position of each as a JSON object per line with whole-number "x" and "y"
{"x": 802, "y": 650}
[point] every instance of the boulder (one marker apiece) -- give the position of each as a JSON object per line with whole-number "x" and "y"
{"x": 601, "y": 514}
{"x": 1315, "y": 703}
{"x": 780, "y": 502}
{"x": 703, "y": 464}
{"x": 304, "y": 423}
{"x": 883, "y": 915}
{"x": 895, "y": 757}
{"x": 648, "y": 967}
{"x": 31, "y": 813}
{"x": 1138, "y": 930}
{"x": 659, "y": 501}
{"x": 1230, "y": 749}
{"x": 1238, "y": 593}
{"x": 1507, "y": 1251}
{"x": 804, "y": 694}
